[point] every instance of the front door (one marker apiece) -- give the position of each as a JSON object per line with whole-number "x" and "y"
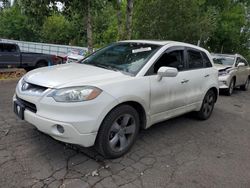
{"x": 169, "y": 95}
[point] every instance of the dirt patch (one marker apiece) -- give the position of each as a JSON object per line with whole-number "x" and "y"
{"x": 10, "y": 74}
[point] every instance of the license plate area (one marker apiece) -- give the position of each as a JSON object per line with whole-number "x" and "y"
{"x": 19, "y": 109}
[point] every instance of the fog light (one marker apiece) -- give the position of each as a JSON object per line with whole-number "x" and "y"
{"x": 60, "y": 129}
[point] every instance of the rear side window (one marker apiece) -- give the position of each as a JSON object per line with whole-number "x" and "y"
{"x": 195, "y": 60}
{"x": 9, "y": 48}
{"x": 206, "y": 60}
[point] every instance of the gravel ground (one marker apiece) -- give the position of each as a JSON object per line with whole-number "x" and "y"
{"x": 182, "y": 152}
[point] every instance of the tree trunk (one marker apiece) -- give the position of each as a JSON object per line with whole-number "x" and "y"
{"x": 129, "y": 19}
{"x": 119, "y": 19}
{"x": 89, "y": 28}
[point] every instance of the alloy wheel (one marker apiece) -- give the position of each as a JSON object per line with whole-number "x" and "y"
{"x": 208, "y": 104}
{"x": 122, "y": 132}
{"x": 247, "y": 84}
{"x": 231, "y": 87}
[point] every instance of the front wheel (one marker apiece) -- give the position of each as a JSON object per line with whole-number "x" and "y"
{"x": 230, "y": 90}
{"x": 118, "y": 132}
{"x": 207, "y": 105}
{"x": 246, "y": 85}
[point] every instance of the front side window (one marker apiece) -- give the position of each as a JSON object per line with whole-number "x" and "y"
{"x": 173, "y": 59}
{"x": 195, "y": 60}
{"x": 125, "y": 57}
{"x": 240, "y": 60}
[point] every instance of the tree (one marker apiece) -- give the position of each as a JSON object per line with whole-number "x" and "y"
{"x": 56, "y": 29}
{"x": 89, "y": 27}
{"x": 4, "y": 4}
{"x": 180, "y": 20}
{"x": 14, "y": 25}
{"x": 232, "y": 31}
{"x": 130, "y": 4}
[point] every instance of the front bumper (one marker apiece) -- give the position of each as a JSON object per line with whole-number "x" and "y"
{"x": 80, "y": 121}
{"x": 70, "y": 135}
{"x": 224, "y": 82}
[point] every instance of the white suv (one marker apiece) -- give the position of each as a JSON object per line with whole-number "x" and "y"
{"x": 105, "y": 99}
{"x": 234, "y": 71}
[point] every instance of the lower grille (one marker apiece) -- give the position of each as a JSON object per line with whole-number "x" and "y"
{"x": 28, "y": 105}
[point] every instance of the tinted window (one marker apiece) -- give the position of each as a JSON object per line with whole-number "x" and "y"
{"x": 195, "y": 60}
{"x": 245, "y": 62}
{"x": 172, "y": 59}
{"x": 1, "y": 47}
{"x": 206, "y": 60}
{"x": 240, "y": 60}
{"x": 9, "y": 48}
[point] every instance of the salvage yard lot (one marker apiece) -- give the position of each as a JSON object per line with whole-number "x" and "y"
{"x": 182, "y": 152}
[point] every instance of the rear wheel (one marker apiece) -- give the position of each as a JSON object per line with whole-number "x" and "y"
{"x": 118, "y": 132}
{"x": 230, "y": 90}
{"x": 246, "y": 85}
{"x": 207, "y": 105}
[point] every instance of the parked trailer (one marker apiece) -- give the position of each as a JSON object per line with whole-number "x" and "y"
{"x": 45, "y": 48}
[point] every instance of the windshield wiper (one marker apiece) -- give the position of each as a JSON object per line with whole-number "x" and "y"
{"x": 105, "y": 66}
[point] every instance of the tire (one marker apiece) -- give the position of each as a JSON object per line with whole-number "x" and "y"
{"x": 245, "y": 86}
{"x": 230, "y": 90}
{"x": 118, "y": 132}
{"x": 41, "y": 64}
{"x": 207, "y": 105}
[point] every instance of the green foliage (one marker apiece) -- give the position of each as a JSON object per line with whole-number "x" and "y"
{"x": 220, "y": 25}
{"x": 14, "y": 25}
{"x": 56, "y": 29}
{"x": 180, "y": 20}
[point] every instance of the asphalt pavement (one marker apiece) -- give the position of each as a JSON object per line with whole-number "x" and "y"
{"x": 182, "y": 152}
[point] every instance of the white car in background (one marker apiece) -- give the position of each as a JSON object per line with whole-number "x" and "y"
{"x": 105, "y": 99}
{"x": 75, "y": 55}
{"x": 234, "y": 71}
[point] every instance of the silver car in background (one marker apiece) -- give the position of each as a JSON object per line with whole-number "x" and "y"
{"x": 234, "y": 71}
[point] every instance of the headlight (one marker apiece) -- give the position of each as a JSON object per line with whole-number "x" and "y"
{"x": 223, "y": 73}
{"x": 75, "y": 94}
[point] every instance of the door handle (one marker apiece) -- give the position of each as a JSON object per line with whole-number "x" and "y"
{"x": 184, "y": 81}
{"x": 207, "y": 75}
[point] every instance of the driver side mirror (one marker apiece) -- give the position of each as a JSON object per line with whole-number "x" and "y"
{"x": 166, "y": 72}
{"x": 241, "y": 65}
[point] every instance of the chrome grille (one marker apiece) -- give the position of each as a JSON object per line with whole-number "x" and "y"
{"x": 32, "y": 88}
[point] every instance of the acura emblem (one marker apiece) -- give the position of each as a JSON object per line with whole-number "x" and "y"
{"x": 25, "y": 86}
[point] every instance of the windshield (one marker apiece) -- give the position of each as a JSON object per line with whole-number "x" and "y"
{"x": 224, "y": 60}
{"x": 125, "y": 57}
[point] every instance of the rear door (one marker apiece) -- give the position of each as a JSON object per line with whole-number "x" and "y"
{"x": 197, "y": 75}
{"x": 9, "y": 55}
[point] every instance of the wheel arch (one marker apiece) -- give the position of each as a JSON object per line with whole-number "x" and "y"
{"x": 45, "y": 61}
{"x": 138, "y": 107}
{"x": 216, "y": 91}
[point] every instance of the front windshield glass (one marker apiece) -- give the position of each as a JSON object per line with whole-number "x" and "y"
{"x": 125, "y": 57}
{"x": 224, "y": 60}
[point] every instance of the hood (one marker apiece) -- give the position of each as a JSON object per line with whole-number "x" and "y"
{"x": 221, "y": 67}
{"x": 73, "y": 74}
